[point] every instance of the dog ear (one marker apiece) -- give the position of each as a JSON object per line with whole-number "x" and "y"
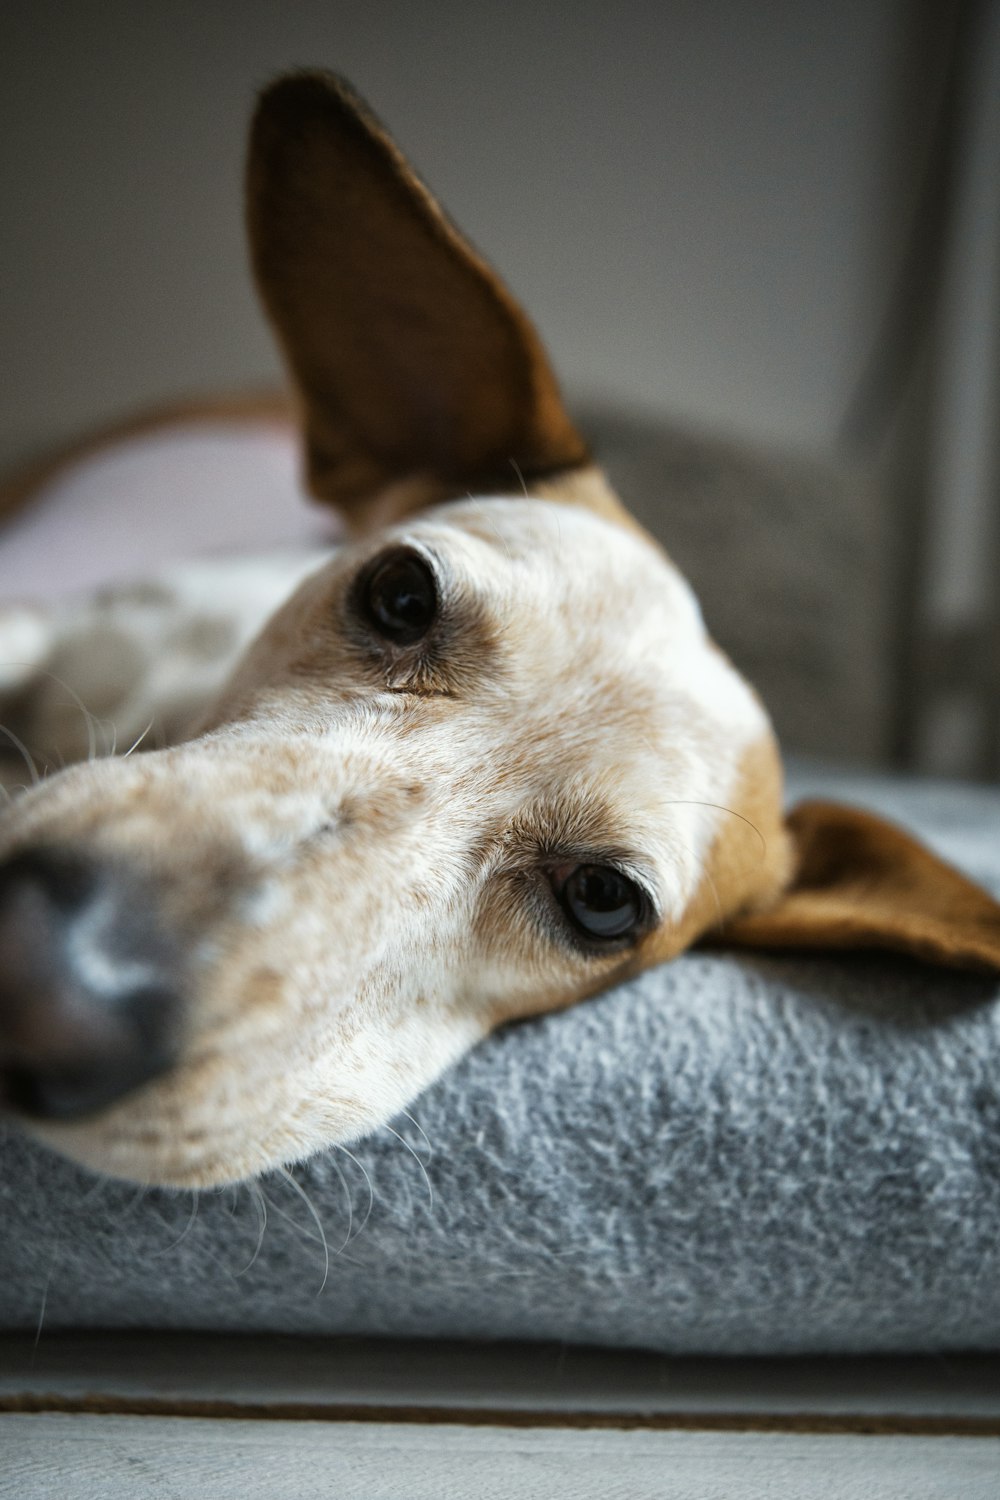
{"x": 863, "y": 883}
{"x": 416, "y": 368}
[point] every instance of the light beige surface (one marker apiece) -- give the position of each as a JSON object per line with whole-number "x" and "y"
{"x": 119, "y": 1458}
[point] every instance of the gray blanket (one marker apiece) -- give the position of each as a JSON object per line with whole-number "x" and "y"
{"x": 732, "y": 1154}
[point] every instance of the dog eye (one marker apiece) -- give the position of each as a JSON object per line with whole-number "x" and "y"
{"x": 399, "y": 597}
{"x": 602, "y": 902}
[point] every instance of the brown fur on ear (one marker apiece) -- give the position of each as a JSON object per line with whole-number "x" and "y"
{"x": 863, "y": 883}
{"x": 417, "y": 369}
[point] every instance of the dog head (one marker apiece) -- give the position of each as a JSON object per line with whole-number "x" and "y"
{"x": 482, "y": 764}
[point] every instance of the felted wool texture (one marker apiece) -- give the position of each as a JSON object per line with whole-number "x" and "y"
{"x": 732, "y": 1154}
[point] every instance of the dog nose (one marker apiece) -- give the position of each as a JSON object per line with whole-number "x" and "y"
{"x": 89, "y": 985}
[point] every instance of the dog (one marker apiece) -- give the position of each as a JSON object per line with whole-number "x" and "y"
{"x": 481, "y": 763}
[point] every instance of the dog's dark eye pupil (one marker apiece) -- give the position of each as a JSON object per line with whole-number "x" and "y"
{"x": 602, "y": 901}
{"x": 401, "y": 599}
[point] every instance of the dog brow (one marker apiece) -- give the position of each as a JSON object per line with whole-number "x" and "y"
{"x": 565, "y": 827}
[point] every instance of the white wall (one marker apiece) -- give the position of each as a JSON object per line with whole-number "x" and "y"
{"x": 702, "y": 203}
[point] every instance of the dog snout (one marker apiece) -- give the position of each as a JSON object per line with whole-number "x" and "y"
{"x": 90, "y": 985}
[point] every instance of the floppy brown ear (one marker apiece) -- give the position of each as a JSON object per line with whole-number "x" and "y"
{"x": 863, "y": 883}
{"x": 415, "y": 366}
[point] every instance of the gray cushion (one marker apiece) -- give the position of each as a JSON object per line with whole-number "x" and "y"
{"x": 733, "y": 1153}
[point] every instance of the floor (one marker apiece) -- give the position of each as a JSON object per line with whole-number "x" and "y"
{"x": 98, "y": 1417}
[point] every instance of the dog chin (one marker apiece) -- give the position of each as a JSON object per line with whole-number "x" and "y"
{"x": 170, "y": 1161}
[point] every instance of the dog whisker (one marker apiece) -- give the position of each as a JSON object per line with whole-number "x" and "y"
{"x": 137, "y": 742}
{"x": 297, "y": 1187}
{"x": 371, "y": 1192}
{"x": 142, "y": 1193}
{"x": 260, "y": 1203}
{"x": 520, "y": 477}
{"x": 126, "y": 1209}
{"x": 721, "y": 807}
{"x": 417, "y": 1126}
{"x": 195, "y": 1201}
{"x": 302, "y": 1231}
{"x": 25, "y": 754}
{"x": 89, "y": 719}
{"x": 423, "y": 1170}
{"x": 43, "y": 1305}
{"x": 350, "y": 1205}
{"x": 706, "y": 873}
{"x": 715, "y": 894}
{"x": 483, "y": 510}
{"x": 101, "y": 1182}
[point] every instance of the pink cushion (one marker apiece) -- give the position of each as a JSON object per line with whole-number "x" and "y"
{"x": 188, "y": 490}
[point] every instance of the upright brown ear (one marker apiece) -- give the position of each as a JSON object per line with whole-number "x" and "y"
{"x": 413, "y": 361}
{"x": 863, "y": 883}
